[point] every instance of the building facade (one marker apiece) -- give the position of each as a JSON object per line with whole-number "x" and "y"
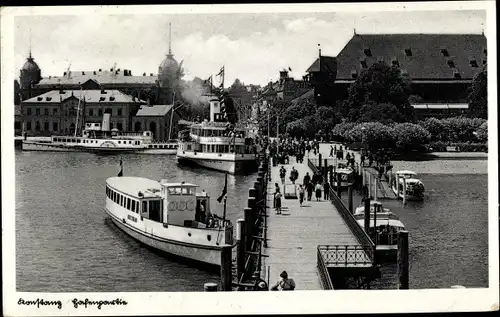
{"x": 60, "y": 112}
{"x": 161, "y": 120}
{"x": 440, "y": 67}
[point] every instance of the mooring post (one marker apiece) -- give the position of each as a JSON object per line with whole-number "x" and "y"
{"x": 260, "y": 181}
{"x": 404, "y": 191}
{"x": 369, "y": 184}
{"x": 339, "y": 183}
{"x": 349, "y": 201}
{"x": 226, "y": 273}
{"x": 248, "y": 226}
{"x": 252, "y": 204}
{"x": 367, "y": 215}
{"x": 210, "y": 287}
{"x": 256, "y": 185}
{"x": 403, "y": 260}
{"x": 240, "y": 247}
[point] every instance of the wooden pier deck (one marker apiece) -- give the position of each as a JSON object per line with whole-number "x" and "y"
{"x": 294, "y": 236}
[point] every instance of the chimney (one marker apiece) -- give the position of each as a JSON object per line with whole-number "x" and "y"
{"x": 100, "y": 69}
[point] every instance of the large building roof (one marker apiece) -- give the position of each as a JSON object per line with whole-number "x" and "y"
{"x": 90, "y": 96}
{"x": 327, "y": 65}
{"x": 102, "y": 77}
{"x": 422, "y": 56}
{"x": 151, "y": 111}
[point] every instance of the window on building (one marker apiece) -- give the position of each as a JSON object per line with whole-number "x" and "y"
{"x": 28, "y": 125}
{"x": 37, "y": 111}
{"x": 91, "y": 112}
{"x": 17, "y": 125}
{"x": 46, "y": 126}
{"x": 46, "y": 111}
{"x": 119, "y": 126}
{"x": 137, "y": 126}
{"x": 119, "y": 112}
{"x": 54, "y": 126}
{"x": 111, "y": 125}
{"x": 28, "y": 111}
{"x": 54, "y": 111}
{"x": 100, "y": 112}
{"x": 37, "y": 126}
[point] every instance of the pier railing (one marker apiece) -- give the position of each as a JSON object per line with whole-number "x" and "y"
{"x": 344, "y": 255}
{"x": 364, "y": 240}
{"x": 326, "y": 281}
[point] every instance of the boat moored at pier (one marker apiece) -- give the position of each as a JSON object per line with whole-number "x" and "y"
{"x": 170, "y": 217}
{"x": 218, "y": 144}
{"x": 384, "y": 230}
{"x": 414, "y": 187}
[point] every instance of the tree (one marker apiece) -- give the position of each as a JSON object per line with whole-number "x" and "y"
{"x": 374, "y": 134}
{"x": 383, "y": 112}
{"x": 435, "y": 128}
{"x": 409, "y": 136}
{"x": 482, "y": 132}
{"x": 478, "y": 95}
{"x": 379, "y": 84}
{"x": 339, "y": 130}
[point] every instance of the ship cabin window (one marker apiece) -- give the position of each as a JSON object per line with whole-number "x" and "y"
{"x": 181, "y": 191}
{"x": 128, "y": 204}
{"x": 155, "y": 210}
{"x": 144, "y": 207}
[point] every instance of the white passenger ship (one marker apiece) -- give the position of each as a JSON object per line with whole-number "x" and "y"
{"x": 213, "y": 144}
{"x": 99, "y": 138}
{"x": 170, "y": 217}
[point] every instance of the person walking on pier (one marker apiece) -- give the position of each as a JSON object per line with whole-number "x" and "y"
{"x": 318, "y": 189}
{"x": 306, "y": 180}
{"x": 282, "y": 174}
{"x": 277, "y": 202}
{"x": 294, "y": 174}
{"x": 326, "y": 189}
{"x": 363, "y": 159}
{"x": 309, "y": 188}
{"x": 301, "y": 194}
{"x": 331, "y": 150}
{"x": 284, "y": 284}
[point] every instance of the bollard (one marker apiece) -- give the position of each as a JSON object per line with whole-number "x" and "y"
{"x": 210, "y": 287}
{"x": 403, "y": 260}
{"x": 240, "y": 247}
{"x": 260, "y": 180}
{"x": 252, "y": 192}
{"x": 339, "y": 183}
{"x": 367, "y": 215}
{"x": 258, "y": 190}
{"x": 349, "y": 201}
{"x": 369, "y": 184}
{"x": 404, "y": 191}
{"x": 226, "y": 273}
{"x": 248, "y": 226}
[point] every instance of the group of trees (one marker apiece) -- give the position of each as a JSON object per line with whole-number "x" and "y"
{"x": 378, "y": 111}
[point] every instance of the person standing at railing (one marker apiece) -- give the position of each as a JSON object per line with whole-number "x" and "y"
{"x": 277, "y": 199}
{"x": 284, "y": 284}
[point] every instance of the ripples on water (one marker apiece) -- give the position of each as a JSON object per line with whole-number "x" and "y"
{"x": 64, "y": 241}
{"x": 448, "y": 231}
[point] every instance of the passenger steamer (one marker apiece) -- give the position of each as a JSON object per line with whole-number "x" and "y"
{"x": 99, "y": 138}
{"x": 386, "y": 226}
{"x": 170, "y": 217}
{"x": 216, "y": 145}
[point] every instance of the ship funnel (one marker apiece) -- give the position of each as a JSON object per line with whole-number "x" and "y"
{"x": 106, "y": 118}
{"x": 214, "y": 109}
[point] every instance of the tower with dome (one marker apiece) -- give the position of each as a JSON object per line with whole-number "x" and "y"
{"x": 30, "y": 76}
{"x": 170, "y": 73}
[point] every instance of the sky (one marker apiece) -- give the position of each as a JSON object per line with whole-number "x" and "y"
{"x": 252, "y": 47}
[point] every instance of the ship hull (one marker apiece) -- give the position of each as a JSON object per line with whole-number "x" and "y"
{"x": 47, "y": 147}
{"x": 232, "y": 164}
{"x": 200, "y": 254}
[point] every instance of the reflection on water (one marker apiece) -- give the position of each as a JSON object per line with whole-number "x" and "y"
{"x": 64, "y": 242}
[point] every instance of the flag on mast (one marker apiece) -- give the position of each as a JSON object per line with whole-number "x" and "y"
{"x": 120, "y": 173}
{"x": 224, "y": 191}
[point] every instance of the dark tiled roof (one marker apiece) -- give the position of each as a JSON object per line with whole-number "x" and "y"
{"x": 328, "y": 65}
{"x": 101, "y": 77}
{"x": 90, "y": 96}
{"x": 427, "y": 61}
{"x": 308, "y": 95}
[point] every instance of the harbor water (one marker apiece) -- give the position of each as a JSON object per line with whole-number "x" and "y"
{"x": 65, "y": 243}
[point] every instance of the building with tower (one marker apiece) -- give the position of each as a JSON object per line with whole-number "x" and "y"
{"x": 169, "y": 74}
{"x": 29, "y": 77}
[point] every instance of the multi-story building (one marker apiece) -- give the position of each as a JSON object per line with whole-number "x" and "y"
{"x": 161, "y": 120}
{"x": 55, "y": 112}
{"x": 440, "y": 67}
